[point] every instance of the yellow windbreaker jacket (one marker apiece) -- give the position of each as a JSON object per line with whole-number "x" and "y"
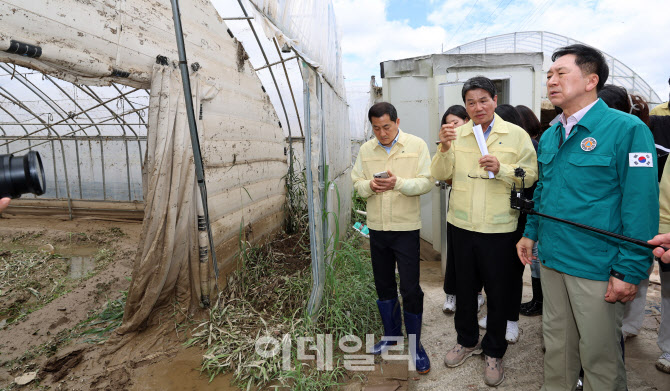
{"x": 664, "y": 200}
{"x": 483, "y": 205}
{"x": 409, "y": 161}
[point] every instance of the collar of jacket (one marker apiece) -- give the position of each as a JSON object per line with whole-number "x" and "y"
{"x": 402, "y": 140}
{"x": 588, "y": 121}
{"x": 499, "y": 126}
{"x": 592, "y": 117}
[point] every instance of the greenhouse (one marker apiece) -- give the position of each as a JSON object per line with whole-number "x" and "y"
{"x": 546, "y": 42}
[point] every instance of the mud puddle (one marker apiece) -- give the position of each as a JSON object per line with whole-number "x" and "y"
{"x": 181, "y": 373}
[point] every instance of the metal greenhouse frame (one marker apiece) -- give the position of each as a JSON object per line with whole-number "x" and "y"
{"x": 53, "y": 117}
{"x": 546, "y": 42}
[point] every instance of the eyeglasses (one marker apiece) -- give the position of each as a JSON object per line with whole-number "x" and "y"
{"x": 479, "y": 173}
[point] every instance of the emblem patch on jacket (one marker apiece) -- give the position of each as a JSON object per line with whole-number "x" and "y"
{"x": 640, "y": 159}
{"x": 589, "y": 144}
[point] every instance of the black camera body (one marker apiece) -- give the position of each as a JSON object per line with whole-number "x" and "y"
{"x": 21, "y": 174}
{"x": 518, "y": 199}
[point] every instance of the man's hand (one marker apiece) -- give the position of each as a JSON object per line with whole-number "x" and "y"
{"x": 525, "y": 250}
{"x": 618, "y": 290}
{"x": 490, "y": 163}
{"x": 4, "y": 202}
{"x": 661, "y": 240}
{"x": 447, "y": 135}
{"x": 380, "y": 185}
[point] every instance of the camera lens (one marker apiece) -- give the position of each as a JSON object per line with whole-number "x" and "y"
{"x": 21, "y": 174}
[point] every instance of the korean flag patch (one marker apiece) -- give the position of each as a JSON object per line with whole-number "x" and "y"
{"x": 640, "y": 159}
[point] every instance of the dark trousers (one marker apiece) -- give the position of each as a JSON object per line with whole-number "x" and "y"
{"x": 516, "y": 275}
{"x": 388, "y": 248}
{"x": 513, "y": 305}
{"x": 450, "y": 272}
{"x": 483, "y": 259}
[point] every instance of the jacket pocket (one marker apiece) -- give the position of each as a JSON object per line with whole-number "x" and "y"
{"x": 545, "y": 158}
{"x": 589, "y": 160}
{"x": 406, "y": 209}
{"x": 498, "y": 210}
{"x": 505, "y": 155}
{"x": 590, "y": 175}
{"x": 405, "y": 165}
{"x": 460, "y": 202}
{"x": 544, "y": 161}
{"x": 373, "y": 165}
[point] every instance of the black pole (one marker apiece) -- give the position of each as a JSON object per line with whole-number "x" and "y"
{"x": 195, "y": 142}
{"x": 598, "y": 230}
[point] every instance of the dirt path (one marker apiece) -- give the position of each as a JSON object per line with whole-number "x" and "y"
{"x": 523, "y": 360}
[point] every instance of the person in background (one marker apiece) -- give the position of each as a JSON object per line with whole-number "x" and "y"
{"x": 454, "y": 116}
{"x": 531, "y": 123}
{"x": 4, "y": 202}
{"x": 639, "y": 108}
{"x": 391, "y": 172}
{"x": 595, "y": 168}
{"x": 662, "y": 109}
{"x": 533, "y": 307}
{"x": 663, "y": 239}
{"x": 615, "y": 97}
{"x": 483, "y": 223}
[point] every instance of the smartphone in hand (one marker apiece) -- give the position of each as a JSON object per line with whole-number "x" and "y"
{"x": 383, "y": 174}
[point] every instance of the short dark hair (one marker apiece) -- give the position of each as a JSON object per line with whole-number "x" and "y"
{"x": 479, "y": 82}
{"x": 615, "y": 97}
{"x": 457, "y": 110}
{"x": 588, "y": 59}
{"x": 509, "y": 114}
{"x": 529, "y": 120}
{"x": 379, "y": 109}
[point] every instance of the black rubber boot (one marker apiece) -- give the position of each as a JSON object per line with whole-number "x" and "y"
{"x": 390, "y": 313}
{"x": 534, "y": 307}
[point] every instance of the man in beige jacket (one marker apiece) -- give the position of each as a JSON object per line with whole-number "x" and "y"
{"x": 391, "y": 172}
{"x": 481, "y": 221}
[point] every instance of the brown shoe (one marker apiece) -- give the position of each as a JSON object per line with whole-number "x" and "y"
{"x": 494, "y": 374}
{"x": 459, "y": 353}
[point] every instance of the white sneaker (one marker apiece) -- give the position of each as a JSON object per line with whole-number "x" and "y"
{"x": 482, "y": 323}
{"x": 449, "y": 306}
{"x": 480, "y": 301}
{"x": 663, "y": 363}
{"x": 512, "y": 333}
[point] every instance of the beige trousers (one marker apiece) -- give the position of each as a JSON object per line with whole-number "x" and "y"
{"x": 580, "y": 329}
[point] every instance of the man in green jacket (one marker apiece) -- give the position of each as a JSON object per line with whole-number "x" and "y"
{"x": 596, "y": 167}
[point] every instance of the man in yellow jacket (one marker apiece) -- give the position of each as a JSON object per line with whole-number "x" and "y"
{"x": 663, "y": 239}
{"x": 662, "y": 109}
{"x": 481, "y": 221}
{"x": 392, "y": 171}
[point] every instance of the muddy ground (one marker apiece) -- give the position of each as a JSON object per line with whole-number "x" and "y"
{"x": 28, "y": 340}
{"x": 73, "y": 252}
{"x": 90, "y": 263}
